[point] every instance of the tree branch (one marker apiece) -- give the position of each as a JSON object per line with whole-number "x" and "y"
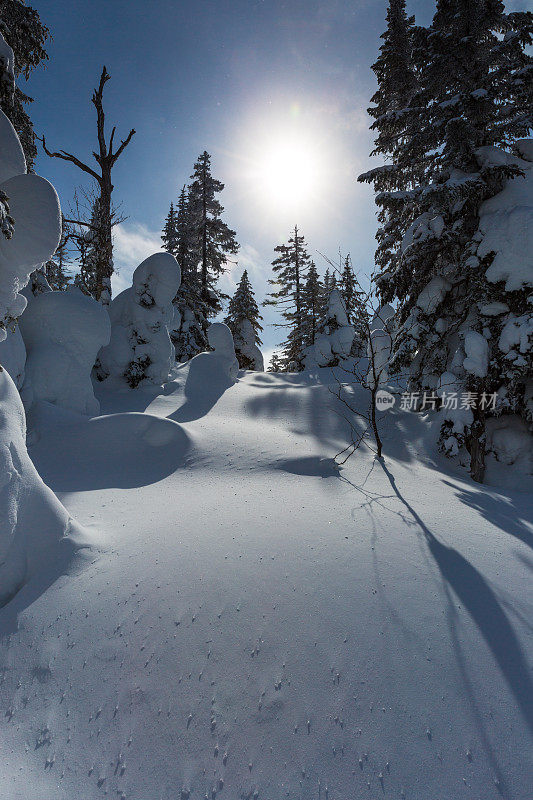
{"x": 123, "y": 145}
{"x": 69, "y": 157}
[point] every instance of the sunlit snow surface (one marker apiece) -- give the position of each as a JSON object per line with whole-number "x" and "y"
{"x": 260, "y": 623}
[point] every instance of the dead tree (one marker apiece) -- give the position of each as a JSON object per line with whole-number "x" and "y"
{"x": 106, "y": 159}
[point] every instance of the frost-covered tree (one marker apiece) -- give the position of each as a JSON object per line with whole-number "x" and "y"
{"x": 141, "y": 316}
{"x": 212, "y": 241}
{"x": 469, "y": 100}
{"x": 290, "y": 270}
{"x": 244, "y": 321}
{"x": 24, "y": 32}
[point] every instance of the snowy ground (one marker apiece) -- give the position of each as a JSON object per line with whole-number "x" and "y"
{"x": 255, "y": 623}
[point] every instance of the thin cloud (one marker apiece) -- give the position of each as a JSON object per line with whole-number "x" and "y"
{"x": 132, "y": 243}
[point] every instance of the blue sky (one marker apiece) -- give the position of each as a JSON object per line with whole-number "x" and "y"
{"x": 226, "y": 76}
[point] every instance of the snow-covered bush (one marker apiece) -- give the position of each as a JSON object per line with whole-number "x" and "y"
{"x": 221, "y": 340}
{"x": 141, "y": 316}
{"x": 33, "y": 225}
{"x": 63, "y": 332}
{"x": 333, "y": 343}
{"x": 247, "y": 351}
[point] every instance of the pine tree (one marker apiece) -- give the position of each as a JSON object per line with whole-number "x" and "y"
{"x": 169, "y": 237}
{"x": 212, "y": 239}
{"x": 290, "y": 269}
{"x": 24, "y": 32}
{"x": 468, "y": 99}
{"x": 312, "y": 305}
{"x": 55, "y": 269}
{"x": 243, "y": 306}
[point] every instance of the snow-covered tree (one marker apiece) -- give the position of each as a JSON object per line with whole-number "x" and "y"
{"x": 212, "y": 241}
{"x": 290, "y": 270}
{"x": 169, "y": 236}
{"x": 24, "y": 32}
{"x": 466, "y": 102}
{"x": 189, "y": 328}
{"x": 334, "y": 336}
{"x": 244, "y": 321}
{"x": 312, "y": 305}
{"x": 141, "y": 316}
{"x": 275, "y": 363}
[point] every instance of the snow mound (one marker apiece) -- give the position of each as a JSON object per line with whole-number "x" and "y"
{"x": 246, "y": 347}
{"x": 221, "y": 340}
{"x": 34, "y": 206}
{"x": 141, "y": 317}
{"x": 13, "y": 355}
{"x": 33, "y": 523}
{"x": 63, "y": 332}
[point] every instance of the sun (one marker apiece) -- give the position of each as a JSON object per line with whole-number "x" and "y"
{"x": 288, "y": 173}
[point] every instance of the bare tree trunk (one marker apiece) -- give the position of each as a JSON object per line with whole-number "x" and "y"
{"x": 106, "y": 159}
{"x": 373, "y": 420}
{"x": 477, "y": 447}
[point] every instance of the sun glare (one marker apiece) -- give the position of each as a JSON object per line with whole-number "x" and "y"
{"x": 288, "y": 173}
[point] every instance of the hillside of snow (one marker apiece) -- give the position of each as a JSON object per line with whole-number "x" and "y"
{"x": 256, "y": 622}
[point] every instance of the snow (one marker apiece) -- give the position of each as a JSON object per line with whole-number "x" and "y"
{"x": 334, "y": 343}
{"x": 34, "y": 205}
{"x": 245, "y": 344}
{"x": 63, "y": 333}
{"x": 13, "y": 355}
{"x": 383, "y": 318}
{"x": 494, "y": 309}
{"x": 506, "y": 223}
{"x": 261, "y": 621}
{"x": 38, "y": 538}
{"x": 141, "y": 318}
{"x": 379, "y": 350}
{"x": 221, "y": 340}
{"x": 477, "y": 354}
{"x": 433, "y": 294}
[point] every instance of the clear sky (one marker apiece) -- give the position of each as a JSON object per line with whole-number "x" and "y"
{"x": 237, "y": 78}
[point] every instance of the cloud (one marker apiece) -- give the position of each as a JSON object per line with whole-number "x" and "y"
{"x": 132, "y": 243}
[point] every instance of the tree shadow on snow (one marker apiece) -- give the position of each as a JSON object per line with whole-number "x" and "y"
{"x": 507, "y": 513}
{"x": 206, "y": 383}
{"x": 484, "y": 608}
{"x": 123, "y": 451}
{"x": 312, "y": 466}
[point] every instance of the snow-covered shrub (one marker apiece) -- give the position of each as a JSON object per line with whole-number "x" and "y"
{"x": 221, "y": 340}
{"x": 333, "y": 343}
{"x": 33, "y": 225}
{"x": 63, "y": 332}
{"x": 247, "y": 351}
{"x": 140, "y": 347}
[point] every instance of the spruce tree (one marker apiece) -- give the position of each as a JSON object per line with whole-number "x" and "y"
{"x": 468, "y": 100}
{"x": 212, "y": 239}
{"x": 169, "y": 237}
{"x": 312, "y": 305}
{"x": 290, "y": 269}
{"x": 243, "y": 306}
{"x": 24, "y": 32}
